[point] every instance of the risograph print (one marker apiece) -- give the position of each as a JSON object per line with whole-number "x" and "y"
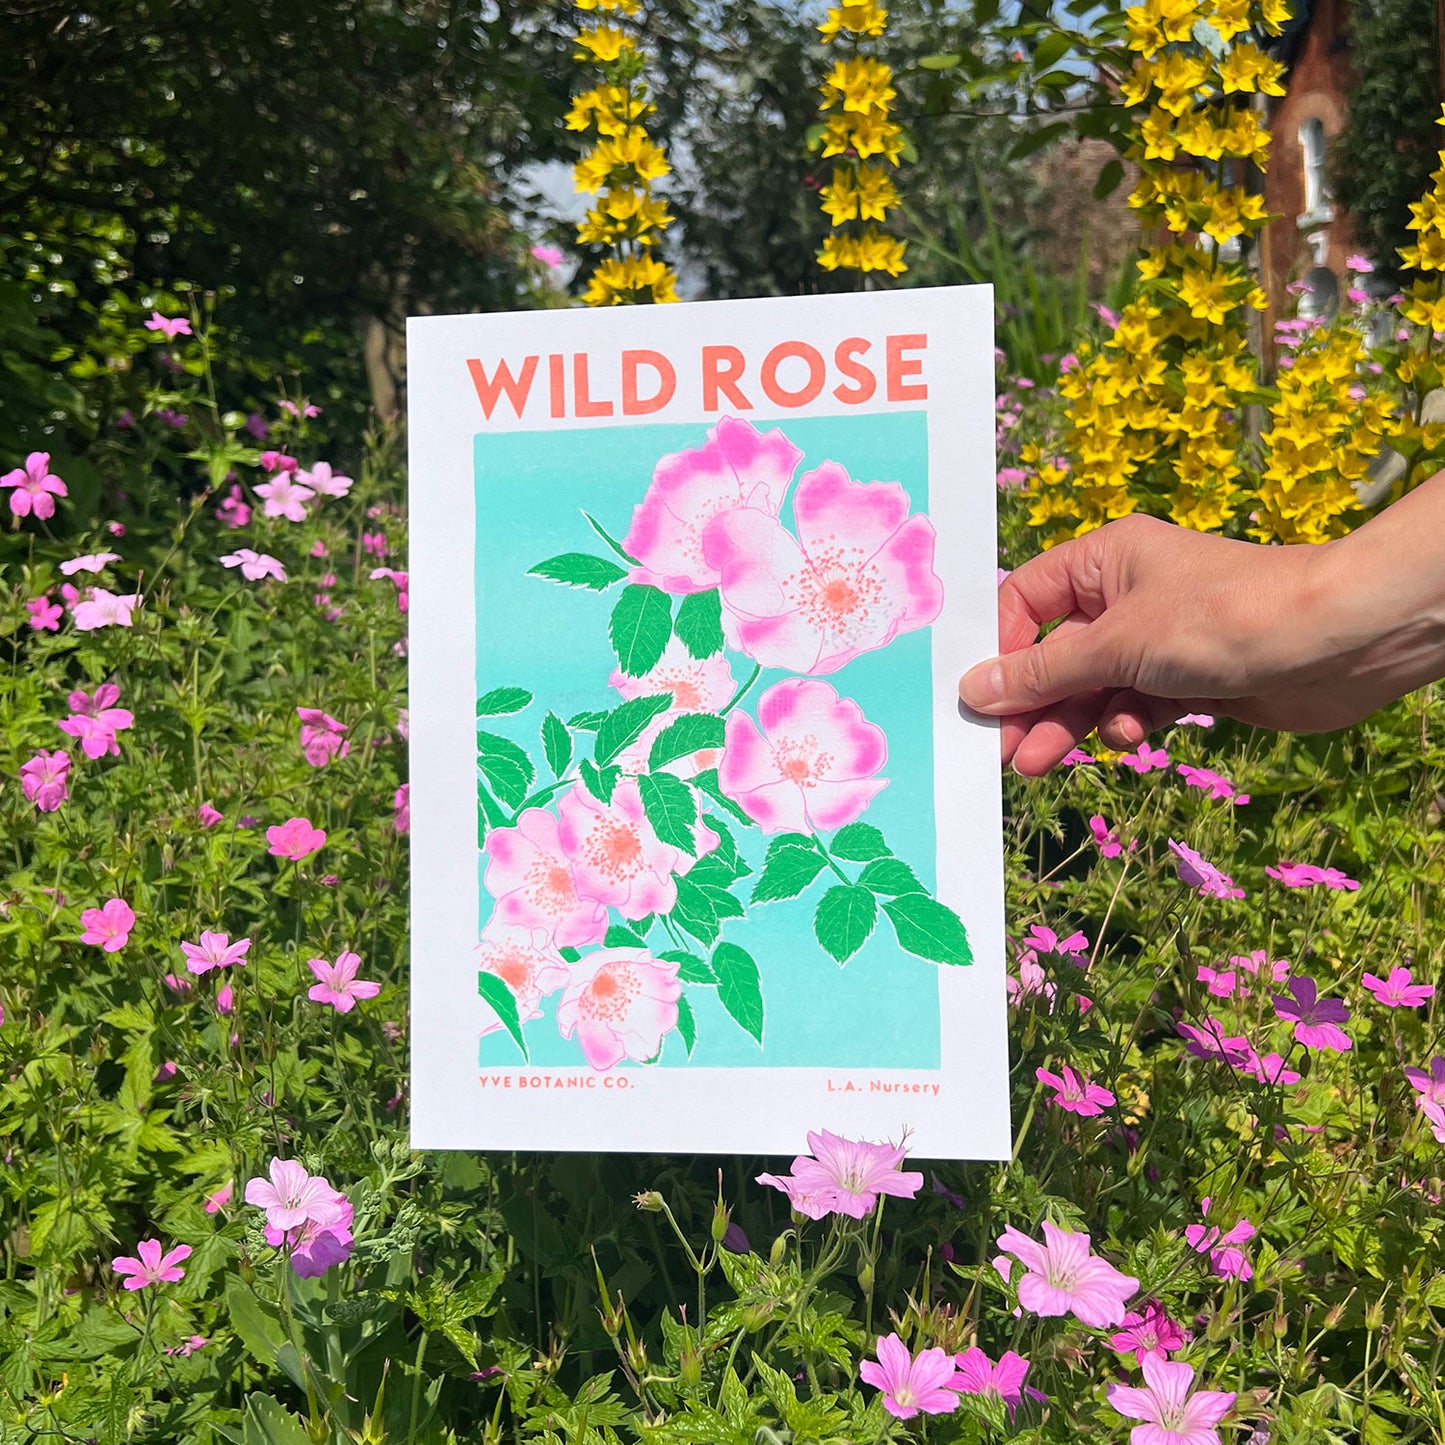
{"x": 704, "y": 749}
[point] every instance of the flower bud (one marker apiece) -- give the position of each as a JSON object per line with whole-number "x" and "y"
{"x": 865, "y": 1278}
{"x": 689, "y": 1365}
{"x": 721, "y": 1217}
{"x": 1375, "y": 1315}
{"x": 649, "y": 1200}
{"x": 757, "y": 1314}
{"x": 779, "y": 1249}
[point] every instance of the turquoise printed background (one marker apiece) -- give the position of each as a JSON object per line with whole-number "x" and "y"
{"x": 880, "y": 1011}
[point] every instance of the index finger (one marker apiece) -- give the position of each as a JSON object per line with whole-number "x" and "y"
{"x": 1057, "y": 583}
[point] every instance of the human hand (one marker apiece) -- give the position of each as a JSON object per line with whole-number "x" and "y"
{"x": 1156, "y": 621}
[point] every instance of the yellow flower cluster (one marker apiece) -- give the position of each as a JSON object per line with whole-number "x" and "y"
{"x": 619, "y": 170}
{"x": 857, "y": 95}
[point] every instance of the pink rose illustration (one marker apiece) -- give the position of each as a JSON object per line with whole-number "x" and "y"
{"x": 696, "y": 685}
{"x": 621, "y": 1003}
{"x": 737, "y": 467}
{"x": 526, "y": 961}
{"x": 811, "y": 768}
{"x": 616, "y": 857}
{"x": 859, "y": 572}
{"x": 531, "y": 877}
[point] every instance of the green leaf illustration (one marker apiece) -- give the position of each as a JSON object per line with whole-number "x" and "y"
{"x": 625, "y": 724}
{"x": 599, "y": 781}
{"x": 690, "y": 968}
{"x": 671, "y": 808}
{"x": 585, "y": 722}
{"x": 504, "y": 1004}
{"x": 890, "y": 875}
{"x": 739, "y": 989}
{"x": 727, "y": 849}
{"x": 619, "y": 937}
{"x": 929, "y": 929}
{"x": 844, "y": 919}
{"x": 699, "y": 623}
{"x": 707, "y": 782}
{"x": 503, "y": 701}
{"x": 859, "y": 843}
{"x": 641, "y": 624}
{"x": 788, "y": 868}
{"x": 556, "y": 743}
{"x": 506, "y": 767}
{"x": 609, "y": 539}
{"x": 686, "y": 1024}
{"x": 580, "y": 569}
{"x": 694, "y": 912}
{"x": 680, "y": 739}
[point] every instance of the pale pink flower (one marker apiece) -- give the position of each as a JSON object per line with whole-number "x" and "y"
{"x": 188, "y": 1346}
{"x": 736, "y": 467}
{"x": 152, "y": 1267}
{"x": 1399, "y": 990}
{"x": 1212, "y": 1041}
{"x": 1225, "y": 1258}
{"x": 1267, "y": 1068}
{"x": 1063, "y": 1276}
{"x": 339, "y": 985}
{"x": 96, "y": 738}
{"x": 274, "y": 461}
{"x": 617, "y": 860}
{"x": 1074, "y": 1093}
{"x": 1031, "y": 980}
{"x": 218, "y": 1199}
{"x": 845, "y": 1176}
{"x": 1076, "y": 756}
{"x": 215, "y": 950}
{"x": 548, "y": 255}
{"x": 401, "y": 803}
{"x": 304, "y": 409}
{"x": 1198, "y": 719}
{"x": 1360, "y": 265}
{"x": 1307, "y": 875}
{"x": 108, "y": 925}
{"x": 1150, "y": 1333}
{"x": 178, "y": 985}
{"x": 859, "y": 573}
{"x": 325, "y": 482}
{"x": 91, "y": 562}
{"x": 400, "y": 580}
{"x": 1430, "y": 1086}
{"x": 1316, "y": 1020}
{"x": 1145, "y": 759}
{"x": 254, "y": 565}
{"x": 208, "y": 815}
{"x": 234, "y": 510}
{"x": 978, "y": 1375}
{"x": 1222, "y": 983}
{"x": 169, "y": 326}
{"x": 44, "y": 779}
{"x": 694, "y": 684}
{"x": 319, "y": 549}
{"x": 527, "y": 961}
{"x": 1010, "y": 477}
{"x": 36, "y": 487}
{"x": 321, "y": 736}
{"x": 1435, "y": 1115}
{"x": 225, "y": 1000}
{"x": 1215, "y": 784}
{"x": 291, "y": 1196}
{"x": 45, "y": 615}
{"x": 621, "y": 1003}
{"x": 1173, "y": 1416}
{"x": 533, "y": 881}
{"x": 813, "y": 764}
{"x": 909, "y": 1384}
{"x": 374, "y": 544}
{"x": 1201, "y": 875}
{"x": 1041, "y": 940}
{"x": 1105, "y": 837}
{"x": 295, "y": 839}
{"x": 103, "y": 609}
{"x": 285, "y": 497}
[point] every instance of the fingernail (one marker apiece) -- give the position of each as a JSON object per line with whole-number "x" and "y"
{"x": 982, "y": 686}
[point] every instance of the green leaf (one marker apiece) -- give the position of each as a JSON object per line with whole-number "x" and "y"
{"x": 707, "y": 782}
{"x": 503, "y": 701}
{"x": 699, "y": 623}
{"x": 1036, "y": 140}
{"x": 859, "y": 842}
{"x": 788, "y": 869}
{"x": 1051, "y": 49}
{"x": 890, "y": 875}
{"x": 671, "y": 808}
{"x": 556, "y": 743}
{"x": 609, "y": 539}
{"x": 739, "y": 989}
{"x": 690, "y": 968}
{"x": 580, "y": 569}
{"x": 686, "y": 1024}
{"x": 619, "y": 937}
{"x": 694, "y": 912}
{"x": 929, "y": 929}
{"x": 599, "y": 781}
{"x": 640, "y": 626}
{"x": 1109, "y": 179}
{"x": 506, "y": 767}
{"x": 268, "y": 1422}
{"x": 504, "y": 1003}
{"x": 939, "y": 62}
{"x": 258, "y": 1326}
{"x": 625, "y": 724}
{"x": 689, "y": 734}
{"x": 585, "y": 722}
{"x": 845, "y": 918}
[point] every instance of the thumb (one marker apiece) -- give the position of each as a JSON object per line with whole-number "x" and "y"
{"x": 1069, "y": 661}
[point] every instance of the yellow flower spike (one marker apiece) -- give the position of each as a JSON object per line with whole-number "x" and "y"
{"x": 840, "y": 200}
{"x": 1425, "y": 306}
{"x": 865, "y": 19}
{"x": 861, "y": 85}
{"x": 602, "y": 43}
{"x": 876, "y": 193}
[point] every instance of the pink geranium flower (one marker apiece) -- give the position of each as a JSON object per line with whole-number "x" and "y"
{"x": 152, "y": 1267}
{"x": 254, "y": 565}
{"x": 401, "y": 805}
{"x": 1399, "y": 990}
{"x": 859, "y": 573}
{"x": 45, "y": 615}
{"x": 317, "y": 1245}
{"x": 736, "y": 467}
{"x": 304, "y": 409}
{"x": 695, "y": 685}
{"x": 44, "y": 779}
{"x": 1041, "y": 940}
{"x": 1316, "y": 1020}
{"x": 225, "y": 1000}
{"x": 1031, "y": 980}
{"x": 548, "y": 255}
{"x": 338, "y": 984}
{"x": 291, "y": 1197}
{"x": 217, "y": 1200}
{"x": 321, "y": 736}
{"x": 1151, "y": 1333}
{"x": 621, "y": 1003}
{"x": 808, "y": 765}
{"x": 1105, "y": 838}
{"x": 617, "y": 860}
{"x": 325, "y": 482}
{"x": 1062, "y": 1276}
{"x": 1307, "y": 875}
{"x": 1173, "y": 1416}
{"x": 845, "y": 1176}
{"x": 101, "y": 608}
{"x": 978, "y": 1375}
{"x": 1213, "y": 1041}
{"x": 295, "y": 839}
{"x": 534, "y": 884}
{"x": 35, "y": 487}
{"x": 274, "y": 461}
{"x": 108, "y": 925}
{"x": 208, "y": 815}
{"x": 1430, "y": 1086}
{"x": 909, "y": 1384}
{"x": 285, "y": 497}
{"x": 1075, "y": 756}
{"x": 1267, "y": 1068}
{"x": 1199, "y": 719}
{"x": 1202, "y": 876}
{"x": 91, "y": 562}
{"x": 234, "y": 510}
{"x": 215, "y": 950}
{"x": 400, "y": 580}
{"x": 169, "y": 326}
{"x": 527, "y": 961}
{"x": 1215, "y": 784}
{"x": 188, "y": 1346}
{"x": 1145, "y": 759}
{"x": 1225, "y": 1258}
{"x": 1074, "y": 1093}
